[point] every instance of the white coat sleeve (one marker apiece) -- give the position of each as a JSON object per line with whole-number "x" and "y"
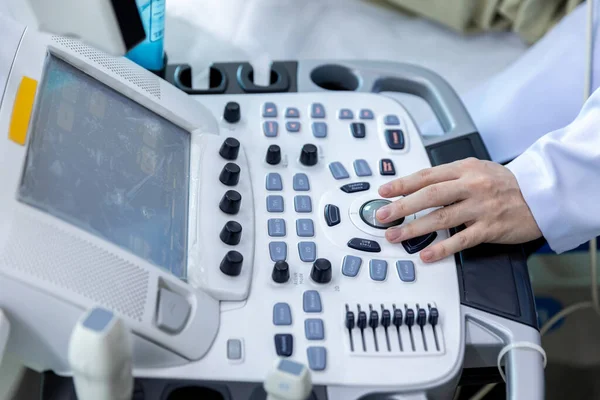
{"x": 559, "y": 176}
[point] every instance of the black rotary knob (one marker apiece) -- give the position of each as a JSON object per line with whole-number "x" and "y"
{"x": 232, "y": 112}
{"x": 230, "y": 148}
{"x": 230, "y": 203}
{"x": 273, "y": 154}
{"x": 309, "y": 155}
{"x": 232, "y": 263}
{"x": 281, "y": 272}
{"x": 230, "y": 174}
{"x": 231, "y": 233}
{"x": 321, "y": 271}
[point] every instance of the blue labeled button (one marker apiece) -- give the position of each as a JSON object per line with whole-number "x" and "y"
{"x": 269, "y": 110}
{"x": 311, "y": 302}
{"x": 346, "y": 113}
{"x": 351, "y": 266}
{"x": 274, "y": 181}
{"x": 361, "y": 167}
{"x": 406, "y": 270}
{"x": 366, "y": 114}
{"x": 378, "y": 270}
{"x": 292, "y": 126}
{"x": 317, "y": 110}
{"x": 305, "y": 227}
{"x": 307, "y": 251}
{"x": 314, "y": 329}
{"x": 282, "y": 314}
{"x": 317, "y": 358}
{"x": 278, "y": 251}
{"x": 276, "y": 227}
{"x": 338, "y": 171}
{"x": 301, "y": 183}
{"x": 292, "y": 112}
{"x": 302, "y": 204}
{"x": 391, "y": 120}
{"x": 270, "y": 128}
{"x": 274, "y": 204}
{"x": 319, "y": 129}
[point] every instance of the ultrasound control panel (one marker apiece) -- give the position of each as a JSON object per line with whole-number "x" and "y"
{"x": 326, "y": 288}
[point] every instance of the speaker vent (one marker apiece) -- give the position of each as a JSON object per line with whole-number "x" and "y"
{"x": 71, "y": 263}
{"x": 142, "y": 79}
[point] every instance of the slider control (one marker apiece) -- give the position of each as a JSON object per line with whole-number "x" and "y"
{"x": 374, "y": 323}
{"x": 386, "y": 320}
{"x": 433, "y": 321}
{"x": 397, "y": 321}
{"x": 421, "y": 321}
{"x": 409, "y": 320}
{"x": 362, "y": 324}
{"x": 350, "y": 323}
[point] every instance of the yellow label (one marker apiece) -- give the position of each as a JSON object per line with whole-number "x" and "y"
{"x": 21, "y": 114}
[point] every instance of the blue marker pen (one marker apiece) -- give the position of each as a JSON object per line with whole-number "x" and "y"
{"x": 150, "y": 53}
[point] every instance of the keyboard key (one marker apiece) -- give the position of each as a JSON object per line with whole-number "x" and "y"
{"x": 386, "y": 167}
{"x": 311, "y": 302}
{"x": 366, "y": 114}
{"x": 314, "y": 329}
{"x": 269, "y": 110}
{"x": 319, "y": 129}
{"x": 274, "y": 204}
{"x": 417, "y": 244}
{"x": 305, "y": 227}
{"x": 284, "y": 344}
{"x": 234, "y": 350}
{"x": 301, "y": 183}
{"x": 274, "y": 181}
{"x": 356, "y": 187}
{"x": 332, "y": 215}
{"x": 358, "y": 129}
{"x": 378, "y": 270}
{"x": 361, "y": 167}
{"x": 317, "y": 358}
{"x": 406, "y": 270}
{"x": 345, "y": 113}
{"x": 270, "y": 128}
{"x": 317, "y": 110}
{"x": 391, "y": 120}
{"x": 276, "y": 227}
{"x": 278, "y": 251}
{"x": 307, "y": 251}
{"x": 394, "y": 139}
{"x": 282, "y": 314}
{"x": 292, "y": 126}
{"x": 338, "y": 171}
{"x": 367, "y": 245}
{"x": 302, "y": 204}
{"x": 292, "y": 112}
{"x": 351, "y": 266}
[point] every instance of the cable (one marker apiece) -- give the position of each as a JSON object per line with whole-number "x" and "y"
{"x": 595, "y": 303}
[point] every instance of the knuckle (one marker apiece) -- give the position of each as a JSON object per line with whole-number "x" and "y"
{"x": 432, "y": 194}
{"x": 463, "y": 240}
{"x": 442, "y": 216}
{"x": 470, "y": 163}
{"x": 398, "y": 185}
{"x": 424, "y": 174}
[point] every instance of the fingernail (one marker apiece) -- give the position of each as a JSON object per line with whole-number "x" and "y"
{"x": 427, "y": 255}
{"x": 383, "y": 213}
{"x": 385, "y": 189}
{"x": 394, "y": 234}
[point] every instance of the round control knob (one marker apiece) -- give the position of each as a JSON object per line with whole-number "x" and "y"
{"x": 230, "y": 203}
{"x": 273, "y": 154}
{"x": 232, "y": 112}
{"x": 231, "y": 233}
{"x": 230, "y": 174}
{"x": 232, "y": 263}
{"x": 281, "y": 272}
{"x": 321, "y": 271}
{"x": 309, "y": 155}
{"x": 230, "y": 148}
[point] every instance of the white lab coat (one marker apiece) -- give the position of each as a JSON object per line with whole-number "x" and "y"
{"x": 559, "y": 176}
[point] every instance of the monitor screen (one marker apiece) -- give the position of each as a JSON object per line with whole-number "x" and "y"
{"x": 104, "y": 163}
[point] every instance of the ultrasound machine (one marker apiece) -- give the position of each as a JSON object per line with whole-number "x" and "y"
{"x": 163, "y": 242}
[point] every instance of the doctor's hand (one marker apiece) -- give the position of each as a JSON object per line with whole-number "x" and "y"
{"x": 482, "y": 195}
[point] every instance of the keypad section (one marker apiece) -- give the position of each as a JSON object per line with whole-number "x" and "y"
{"x": 278, "y": 251}
{"x": 282, "y": 314}
{"x": 307, "y": 251}
{"x": 311, "y": 302}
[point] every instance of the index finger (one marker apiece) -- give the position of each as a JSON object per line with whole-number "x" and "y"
{"x": 417, "y": 181}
